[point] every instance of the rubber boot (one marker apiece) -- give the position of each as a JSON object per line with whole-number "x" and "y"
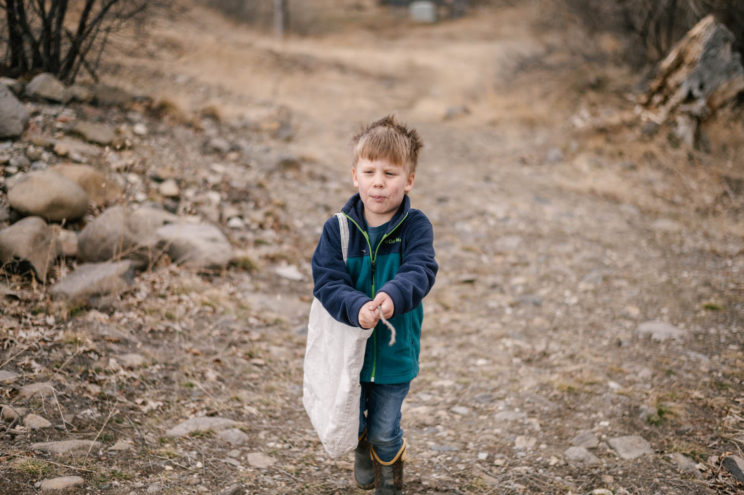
{"x": 364, "y": 473}
{"x": 389, "y": 475}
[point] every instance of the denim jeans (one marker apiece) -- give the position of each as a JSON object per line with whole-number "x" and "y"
{"x": 382, "y": 404}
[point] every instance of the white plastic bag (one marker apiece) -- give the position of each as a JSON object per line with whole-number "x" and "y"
{"x": 334, "y": 355}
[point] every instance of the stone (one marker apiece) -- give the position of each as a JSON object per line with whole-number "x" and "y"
{"x": 684, "y": 463}
{"x": 524, "y": 442}
{"x": 122, "y": 445}
{"x": 10, "y": 413}
{"x": 461, "y": 410}
{"x": 169, "y": 189}
{"x": 735, "y": 465}
{"x": 236, "y": 489}
{"x": 36, "y": 422}
{"x": 260, "y": 460}
{"x": 218, "y": 145}
{"x": 75, "y": 149}
{"x": 507, "y": 416}
{"x": 67, "y": 243}
{"x": 47, "y": 87}
{"x": 201, "y": 423}
{"x": 132, "y": 360}
{"x": 233, "y": 436}
{"x": 80, "y": 93}
{"x": 105, "y": 95}
{"x": 91, "y": 280}
{"x": 94, "y": 132}
{"x": 49, "y": 195}
{"x": 630, "y": 447}
{"x": 580, "y": 455}
{"x": 32, "y": 240}
{"x": 554, "y": 155}
{"x": 13, "y": 115}
{"x": 66, "y": 446}
{"x": 61, "y": 483}
{"x": 7, "y": 377}
{"x": 423, "y": 11}
{"x": 289, "y": 272}
{"x": 585, "y": 439}
{"x": 195, "y": 245}
{"x": 42, "y": 389}
{"x": 659, "y": 331}
{"x": 123, "y": 232}
{"x": 100, "y": 190}
{"x": 14, "y": 85}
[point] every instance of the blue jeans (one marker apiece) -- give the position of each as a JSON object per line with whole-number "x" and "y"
{"x": 382, "y": 404}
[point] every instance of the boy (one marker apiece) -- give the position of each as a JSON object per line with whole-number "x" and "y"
{"x": 390, "y": 268}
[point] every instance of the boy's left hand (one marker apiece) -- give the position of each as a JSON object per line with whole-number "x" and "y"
{"x": 385, "y": 302}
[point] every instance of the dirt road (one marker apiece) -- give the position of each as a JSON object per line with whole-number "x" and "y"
{"x": 572, "y": 310}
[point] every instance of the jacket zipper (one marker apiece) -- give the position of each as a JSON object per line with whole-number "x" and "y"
{"x": 373, "y": 259}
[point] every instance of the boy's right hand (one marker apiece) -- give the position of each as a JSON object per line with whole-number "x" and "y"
{"x": 369, "y": 315}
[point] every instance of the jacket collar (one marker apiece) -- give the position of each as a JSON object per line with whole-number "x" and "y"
{"x": 354, "y": 208}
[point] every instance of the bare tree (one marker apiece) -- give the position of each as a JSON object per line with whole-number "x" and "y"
{"x": 59, "y": 36}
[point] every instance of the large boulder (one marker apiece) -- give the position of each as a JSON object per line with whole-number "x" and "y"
{"x": 196, "y": 245}
{"x": 49, "y": 195}
{"x": 94, "y": 280}
{"x": 120, "y": 232}
{"x": 30, "y": 240}
{"x": 100, "y": 190}
{"x": 47, "y": 87}
{"x": 13, "y": 115}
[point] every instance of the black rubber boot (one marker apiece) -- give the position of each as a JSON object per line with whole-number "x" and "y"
{"x": 389, "y": 475}
{"x": 364, "y": 473}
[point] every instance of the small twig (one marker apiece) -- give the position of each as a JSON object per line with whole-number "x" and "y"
{"x": 68, "y": 466}
{"x": 285, "y": 473}
{"x": 59, "y": 408}
{"x": 111, "y": 413}
{"x": 15, "y": 356}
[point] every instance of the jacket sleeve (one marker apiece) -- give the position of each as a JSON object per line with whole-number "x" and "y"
{"x": 418, "y": 268}
{"x": 333, "y": 285}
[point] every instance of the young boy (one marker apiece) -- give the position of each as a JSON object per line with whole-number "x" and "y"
{"x": 390, "y": 267}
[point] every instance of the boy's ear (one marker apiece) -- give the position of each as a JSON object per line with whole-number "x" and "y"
{"x": 409, "y": 182}
{"x": 354, "y": 177}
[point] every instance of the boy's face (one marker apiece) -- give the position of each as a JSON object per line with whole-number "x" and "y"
{"x": 382, "y": 186}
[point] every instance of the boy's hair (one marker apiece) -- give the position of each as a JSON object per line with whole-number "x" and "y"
{"x": 388, "y": 139}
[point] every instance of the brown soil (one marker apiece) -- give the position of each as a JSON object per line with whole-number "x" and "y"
{"x": 558, "y": 231}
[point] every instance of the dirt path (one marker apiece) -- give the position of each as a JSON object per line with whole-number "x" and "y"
{"x": 531, "y": 333}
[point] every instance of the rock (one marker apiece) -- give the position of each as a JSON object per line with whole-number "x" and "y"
{"x": 524, "y": 443}
{"x": 123, "y": 232}
{"x": 659, "y": 331}
{"x": 507, "y": 416}
{"x": 195, "y": 245}
{"x": 10, "y": 413}
{"x": 580, "y": 455}
{"x": 67, "y": 243}
{"x": 80, "y": 93}
{"x": 630, "y": 447}
{"x": 684, "y": 463}
{"x": 104, "y": 95}
{"x": 554, "y": 155}
{"x": 48, "y": 195}
{"x": 735, "y": 465}
{"x": 169, "y": 189}
{"x": 423, "y": 11}
{"x": 233, "y": 436}
{"x": 61, "y": 483}
{"x": 585, "y": 439}
{"x": 36, "y": 422}
{"x": 95, "y": 132}
{"x": 75, "y": 149}
{"x": 100, "y": 190}
{"x": 201, "y": 423}
{"x": 461, "y": 410}
{"x": 14, "y": 85}
{"x": 42, "y": 389}
{"x": 13, "y": 115}
{"x": 122, "y": 445}
{"x": 217, "y": 145}
{"x": 66, "y": 446}
{"x": 91, "y": 280}
{"x": 31, "y": 240}
{"x": 289, "y": 272}
{"x": 131, "y": 361}
{"x": 236, "y": 489}
{"x": 260, "y": 460}
{"x": 47, "y": 87}
{"x": 7, "y": 377}
{"x": 139, "y": 129}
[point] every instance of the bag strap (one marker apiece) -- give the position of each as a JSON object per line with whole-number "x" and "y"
{"x": 343, "y": 225}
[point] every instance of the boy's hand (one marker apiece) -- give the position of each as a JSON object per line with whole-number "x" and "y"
{"x": 369, "y": 315}
{"x": 385, "y": 302}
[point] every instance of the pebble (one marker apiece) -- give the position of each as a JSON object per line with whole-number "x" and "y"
{"x": 42, "y": 389}
{"x": 289, "y": 272}
{"x": 122, "y": 445}
{"x": 735, "y": 466}
{"x": 131, "y": 360}
{"x": 169, "y": 189}
{"x": 66, "y": 446}
{"x": 36, "y": 422}
{"x": 659, "y": 331}
{"x": 260, "y": 460}
{"x": 461, "y": 410}
{"x": 10, "y": 413}
{"x": 8, "y": 376}
{"x": 630, "y": 447}
{"x": 585, "y": 439}
{"x": 524, "y": 443}
{"x": 201, "y": 423}
{"x": 233, "y": 436}
{"x": 61, "y": 483}
{"x": 580, "y": 455}
{"x": 684, "y": 463}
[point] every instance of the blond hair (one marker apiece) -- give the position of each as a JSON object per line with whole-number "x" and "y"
{"x": 388, "y": 139}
